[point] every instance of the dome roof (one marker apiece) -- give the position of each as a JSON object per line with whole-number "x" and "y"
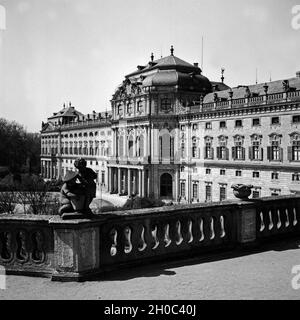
{"x": 186, "y": 81}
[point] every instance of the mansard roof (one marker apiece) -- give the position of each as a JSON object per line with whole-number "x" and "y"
{"x": 66, "y": 112}
{"x": 165, "y": 63}
{"x": 255, "y": 90}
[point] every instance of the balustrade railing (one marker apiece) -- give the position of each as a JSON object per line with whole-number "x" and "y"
{"x": 267, "y": 99}
{"x": 74, "y": 249}
{"x": 143, "y": 236}
{"x": 26, "y": 244}
{"x": 278, "y": 217}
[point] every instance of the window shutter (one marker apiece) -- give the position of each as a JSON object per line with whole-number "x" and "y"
{"x": 243, "y": 153}
{"x": 281, "y": 154}
{"x": 250, "y": 153}
{"x": 198, "y": 153}
{"x": 212, "y": 153}
{"x": 218, "y": 153}
{"x": 172, "y": 148}
{"x": 227, "y": 153}
{"x": 290, "y": 153}
{"x": 205, "y": 152}
{"x": 269, "y": 153}
{"x": 233, "y": 153}
{"x": 262, "y": 154}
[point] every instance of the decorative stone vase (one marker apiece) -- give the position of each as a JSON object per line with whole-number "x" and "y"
{"x": 242, "y": 191}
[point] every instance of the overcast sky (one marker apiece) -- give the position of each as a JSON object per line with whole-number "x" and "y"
{"x": 55, "y": 51}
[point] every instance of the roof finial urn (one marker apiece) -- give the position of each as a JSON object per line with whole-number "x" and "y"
{"x": 172, "y": 51}
{"x": 152, "y": 56}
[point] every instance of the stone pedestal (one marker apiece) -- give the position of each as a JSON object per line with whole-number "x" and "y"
{"x": 76, "y": 247}
{"x": 246, "y": 228}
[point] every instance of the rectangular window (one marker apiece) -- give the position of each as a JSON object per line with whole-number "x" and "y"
{"x": 208, "y": 125}
{"x": 238, "y": 123}
{"x": 208, "y": 193}
{"x": 103, "y": 178}
{"x": 296, "y": 177}
{"x": 275, "y": 192}
{"x": 294, "y": 151}
{"x": 238, "y": 173}
{"x": 182, "y": 189}
{"x": 255, "y": 174}
{"x": 222, "y": 153}
{"x": 238, "y": 152}
{"x": 195, "y": 191}
{"x": 255, "y": 151}
{"x": 255, "y": 194}
{"x": 195, "y": 127}
{"x": 208, "y": 171}
{"x": 255, "y": 122}
{"x": 275, "y": 152}
{"x": 222, "y": 193}
{"x": 222, "y": 172}
{"x": 296, "y": 119}
{"x": 222, "y": 124}
{"x": 274, "y": 175}
{"x": 275, "y": 120}
{"x": 208, "y": 151}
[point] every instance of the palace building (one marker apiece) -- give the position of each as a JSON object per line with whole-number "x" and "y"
{"x": 174, "y": 134}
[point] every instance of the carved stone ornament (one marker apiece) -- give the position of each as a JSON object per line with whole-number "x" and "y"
{"x": 242, "y": 191}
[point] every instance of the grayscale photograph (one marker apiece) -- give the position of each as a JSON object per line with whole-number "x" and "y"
{"x": 150, "y": 150}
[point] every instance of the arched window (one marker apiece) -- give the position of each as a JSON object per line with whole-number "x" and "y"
{"x": 120, "y": 110}
{"x": 131, "y": 147}
{"x": 166, "y": 184}
{"x": 129, "y": 108}
{"x": 140, "y": 146}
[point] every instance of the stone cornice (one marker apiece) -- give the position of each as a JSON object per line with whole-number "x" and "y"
{"x": 259, "y": 166}
{"x": 241, "y": 111}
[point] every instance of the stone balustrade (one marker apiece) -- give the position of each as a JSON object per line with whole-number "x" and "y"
{"x": 251, "y": 101}
{"x": 76, "y": 249}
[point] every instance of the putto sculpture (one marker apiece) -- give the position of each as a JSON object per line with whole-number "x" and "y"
{"x": 78, "y": 191}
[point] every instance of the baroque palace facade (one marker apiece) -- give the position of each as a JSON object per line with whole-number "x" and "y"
{"x": 174, "y": 134}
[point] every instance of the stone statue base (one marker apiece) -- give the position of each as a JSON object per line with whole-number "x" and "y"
{"x": 72, "y": 216}
{"x": 77, "y": 215}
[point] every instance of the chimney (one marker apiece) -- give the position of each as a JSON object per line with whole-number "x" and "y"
{"x": 196, "y": 64}
{"x": 298, "y": 74}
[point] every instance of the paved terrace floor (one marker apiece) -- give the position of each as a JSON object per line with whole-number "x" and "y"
{"x": 263, "y": 274}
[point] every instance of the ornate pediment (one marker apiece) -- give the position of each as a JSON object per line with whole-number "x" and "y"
{"x": 127, "y": 90}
